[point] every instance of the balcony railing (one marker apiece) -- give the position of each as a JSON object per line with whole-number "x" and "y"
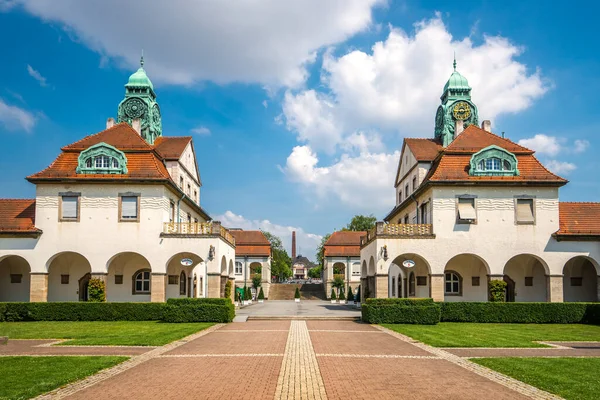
{"x": 409, "y": 231}
{"x": 198, "y": 229}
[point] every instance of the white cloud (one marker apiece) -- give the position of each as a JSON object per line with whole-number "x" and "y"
{"x": 364, "y": 182}
{"x": 396, "y": 86}
{"x": 306, "y": 243}
{"x": 15, "y": 118}
{"x": 579, "y": 146}
{"x": 201, "y": 130}
{"x": 265, "y": 104}
{"x": 37, "y": 76}
{"x": 186, "y": 41}
{"x": 543, "y": 144}
{"x": 560, "y": 167}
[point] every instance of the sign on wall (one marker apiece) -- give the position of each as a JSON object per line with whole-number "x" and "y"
{"x": 408, "y": 263}
{"x": 186, "y": 262}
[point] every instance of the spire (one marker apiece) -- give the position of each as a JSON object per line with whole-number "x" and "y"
{"x": 454, "y": 64}
{"x": 142, "y": 60}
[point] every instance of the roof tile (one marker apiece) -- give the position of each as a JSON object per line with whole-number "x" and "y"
{"x": 171, "y": 147}
{"x": 343, "y": 244}
{"x": 424, "y": 149}
{"x": 17, "y": 216}
{"x": 579, "y": 219}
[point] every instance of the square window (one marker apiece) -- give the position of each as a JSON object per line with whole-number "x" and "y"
{"x": 466, "y": 210}
{"x": 173, "y": 279}
{"x": 16, "y": 278}
{"x": 474, "y": 281}
{"x": 529, "y": 281}
{"x": 421, "y": 281}
{"x": 118, "y": 279}
{"x": 576, "y": 281}
{"x": 524, "y": 212}
{"x": 64, "y": 279}
{"x": 70, "y": 208}
{"x": 129, "y": 208}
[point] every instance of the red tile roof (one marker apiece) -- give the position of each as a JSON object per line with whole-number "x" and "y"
{"x": 343, "y": 244}
{"x": 473, "y": 139}
{"x": 579, "y": 219}
{"x": 17, "y": 216}
{"x": 424, "y": 149}
{"x": 121, "y": 136}
{"x": 251, "y": 243}
{"x": 171, "y": 147}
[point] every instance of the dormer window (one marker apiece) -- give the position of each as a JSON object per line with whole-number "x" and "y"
{"x": 493, "y": 161}
{"x": 102, "y": 158}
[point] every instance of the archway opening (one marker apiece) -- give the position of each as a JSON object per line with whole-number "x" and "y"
{"x": 68, "y": 276}
{"x": 466, "y": 278}
{"x": 526, "y": 278}
{"x": 180, "y": 272}
{"x": 129, "y": 278}
{"x": 580, "y": 279}
{"x": 411, "y": 273}
{"x": 339, "y": 270}
{"x": 14, "y": 279}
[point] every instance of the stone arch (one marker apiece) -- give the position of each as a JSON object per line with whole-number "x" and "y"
{"x": 372, "y": 267}
{"x": 580, "y": 279}
{"x": 120, "y": 278}
{"x": 14, "y": 278}
{"x": 526, "y": 276}
{"x": 419, "y": 283}
{"x": 472, "y": 272}
{"x": 176, "y": 265}
{"x": 396, "y": 279}
{"x": 364, "y": 271}
{"x": 68, "y": 276}
{"x": 339, "y": 269}
{"x": 231, "y": 271}
{"x": 223, "y": 265}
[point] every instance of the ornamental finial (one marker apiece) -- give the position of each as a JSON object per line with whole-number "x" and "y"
{"x": 454, "y": 64}
{"x": 142, "y": 59}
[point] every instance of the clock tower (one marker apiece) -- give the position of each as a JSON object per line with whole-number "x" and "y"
{"x": 456, "y": 106}
{"x": 140, "y": 102}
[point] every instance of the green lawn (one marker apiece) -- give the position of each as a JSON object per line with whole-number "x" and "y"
{"x": 571, "y": 378}
{"x": 459, "y": 334}
{"x": 123, "y": 333}
{"x": 26, "y": 377}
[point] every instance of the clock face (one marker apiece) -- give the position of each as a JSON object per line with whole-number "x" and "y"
{"x": 439, "y": 117}
{"x": 156, "y": 114}
{"x": 461, "y": 110}
{"x": 134, "y": 108}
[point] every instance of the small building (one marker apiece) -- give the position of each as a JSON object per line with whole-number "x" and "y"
{"x": 252, "y": 256}
{"x": 341, "y": 258}
{"x": 300, "y": 267}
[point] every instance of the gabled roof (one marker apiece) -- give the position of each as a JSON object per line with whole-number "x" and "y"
{"x": 424, "y": 149}
{"x": 301, "y": 260}
{"x": 17, "y": 216}
{"x": 251, "y": 243}
{"x": 578, "y": 219}
{"x": 121, "y": 136}
{"x": 473, "y": 139}
{"x": 171, "y": 148}
{"x": 343, "y": 244}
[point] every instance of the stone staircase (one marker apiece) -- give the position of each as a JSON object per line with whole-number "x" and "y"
{"x": 283, "y": 291}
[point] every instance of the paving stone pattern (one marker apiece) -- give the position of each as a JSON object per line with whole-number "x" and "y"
{"x": 300, "y": 360}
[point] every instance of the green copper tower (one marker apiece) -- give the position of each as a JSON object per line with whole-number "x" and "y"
{"x": 456, "y": 105}
{"x": 140, "y": 102}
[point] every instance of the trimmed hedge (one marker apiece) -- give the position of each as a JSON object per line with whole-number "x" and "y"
{"x": 401, "y": 314}
{"x": 401, "y": 301}
{"x": 84, "y": 311}
{"x": 199, "y": 312}
{"x": 191, "y": 300}
{"x": 521, "y": 313}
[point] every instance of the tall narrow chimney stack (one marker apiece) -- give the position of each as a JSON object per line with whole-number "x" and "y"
{"x": 486, "y": 125}
{"x": 110, "y": 123}
{"x": 459, "y": 126}
{"x": 136, "y": 124}
{"x": 293, "y": 245}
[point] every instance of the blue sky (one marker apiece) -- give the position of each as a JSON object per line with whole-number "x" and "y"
{"x": 298, "y": 108}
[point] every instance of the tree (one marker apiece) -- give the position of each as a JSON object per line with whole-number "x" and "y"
{"x": 281, "y": 263}
{"x": 321, "y": 249}
{"x": 338, "y": 283}
{"x": 357, "y": 297}
{"x": 361, "y": 223}
{"x": 227, "y": 289}
{"x": 297, "y": 294}
{"x": 342, "y": 296}
{"x": 96, "y": 290}
{"x": 333, "y": 296}
{"x": 261, "y": 294}
{"x": 350, "y": 294}
{"x": 256, "y": 281}
{"x": 315, "y": 272}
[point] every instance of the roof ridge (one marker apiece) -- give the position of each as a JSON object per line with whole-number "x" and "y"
{"x": 74, "y": 146}
{"x": 579, "y": 202}
{"x": 47, "y": 168}
{"x": 13, "y": 199}
{"x": 546, "y": 169}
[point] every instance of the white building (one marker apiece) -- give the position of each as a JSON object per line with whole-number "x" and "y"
{"x": 341, "y": 258}
{"x": 122, "y": 205}
{"x": 252, "y": 256}
{"x": 472, "y": 206}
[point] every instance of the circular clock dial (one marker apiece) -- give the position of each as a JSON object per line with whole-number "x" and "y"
{"x": 134, "y": 108}
{"x": 156, "y": 114}
{"x": 461, "y": 110}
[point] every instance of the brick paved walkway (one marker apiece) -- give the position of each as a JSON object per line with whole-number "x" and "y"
{"x": 298, "y": 360}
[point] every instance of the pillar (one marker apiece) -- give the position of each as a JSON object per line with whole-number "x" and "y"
{"x": 363, "y": 287}
{"x": 214, "y": 285}
{"x": 381, "y": 286}
{"x": 554, "y": 291}
{"x": 158, "y": 286}
{"x": 232, "y": 296}
{"x": 598, "y": 289}
{"x": 436, "y": 287}
{"x": 38, "y": 287}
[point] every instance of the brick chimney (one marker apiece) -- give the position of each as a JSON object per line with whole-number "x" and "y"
{"x": 486, "y": 125}
{"x": 110, "y": 123}
{"x": 293, "y": 245}
{"x": 136, "y": 124}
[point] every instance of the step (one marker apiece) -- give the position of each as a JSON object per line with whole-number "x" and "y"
{"x": 300, "y": 317}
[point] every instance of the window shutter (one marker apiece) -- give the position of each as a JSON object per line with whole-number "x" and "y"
{"x": 69, "y": 207}
{"x": 525, "y": 210}
{"x": 466, "y": 209}
{"x": 129, "y": 207}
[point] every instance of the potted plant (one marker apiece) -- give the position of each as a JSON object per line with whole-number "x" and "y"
{"x": 333, "y": 296}
{"x": 342, "y": 296}
{"x": 297, "y": 295}
{"x": 261, "y": 296}
{"x": 357, "y": 297}
{"x": 249, "y": 296}
{"x": 237, "y": 299}
{"x": 350, "y": 295}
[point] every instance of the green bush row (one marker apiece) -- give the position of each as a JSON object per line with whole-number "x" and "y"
{"x": 191, "y": 300}
{"x": 525, "y": 313}
{"x": 199, "y": 313}
{"x": 401, "y": 314}
{"x": 402, "y": 301}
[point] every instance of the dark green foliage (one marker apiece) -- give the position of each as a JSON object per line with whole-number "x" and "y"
{"x": 315, "y": 272}
{"x": 297, "y": 294}
{"x": 96, "y": 291}
{"x": 247, "y": 293}
{"x": 227, "y": 289}
{"x": 199, "y": 312}
{"x": 83, "y": 311}
{"x": 191, "y": 300}
{"x": 357, "y": 297}
{"x": 400, "y": 314}
{"x": 350, "y": 294}
{"x": 405, "y": 302}
{"x": 497, "y": 291}
{"x": 333, "y": 296}
{"x": 261, "y": 294}
{"x": 342, "y": 296}
{"x": 525, "y": 313}
{"x": 256, "y": 281}
{"x": 361, "y": 223}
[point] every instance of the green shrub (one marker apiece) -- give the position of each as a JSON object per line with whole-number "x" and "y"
{"x": 342, "y": 296}
{"x": 400, "y": 314}
{"x": 261, "y": 294}
{"x": 526, "y": 313}
{"x": 96, "y": 290}
{"x": 497, "y": 291}
{"x": 297, "y": 294}
{"x": 333, "y": 296}
{"x": 256, "y": 281}
{"x": 247, "y": 293}
{"x": 350, "y": 294}
{"x": 426, "y": 301}
{"x": 227, "y": 293}
{"x": 357, "y": 297}
{"x": 192, "y": 300}
{"x": 198, "y": 313}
